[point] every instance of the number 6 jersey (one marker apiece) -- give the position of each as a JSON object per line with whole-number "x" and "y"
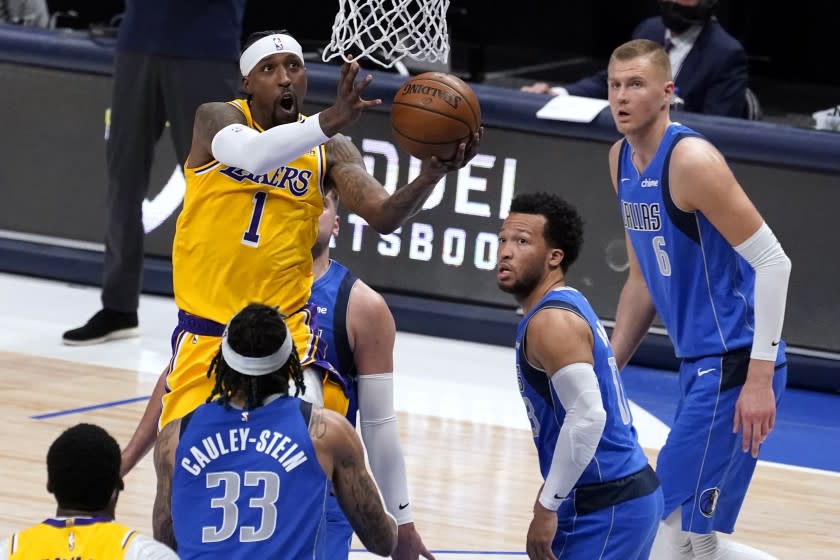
{"x": 248, "y": 485}
{"x": 701, "y": 287}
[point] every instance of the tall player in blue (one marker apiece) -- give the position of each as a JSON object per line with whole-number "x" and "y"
{"x": 702, "y": 257}
{"x": 358, "y": 332}
{"x": 247, "y": 475}
{"x": 600, "y": 498}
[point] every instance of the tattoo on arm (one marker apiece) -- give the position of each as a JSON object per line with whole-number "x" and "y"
{"x": 213, "y": 117}
{"x": 164, "y": 458}
{"x": 364, "y": 195}
{"x": 360, "y": 501}
{"x": 317, "y": 424}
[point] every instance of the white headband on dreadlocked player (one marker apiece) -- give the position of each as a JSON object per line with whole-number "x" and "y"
{"x": 263, "y": 365}
{"x": 267, "y": 46}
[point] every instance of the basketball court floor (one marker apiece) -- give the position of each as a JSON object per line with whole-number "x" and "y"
{"x": 471, "y": 461}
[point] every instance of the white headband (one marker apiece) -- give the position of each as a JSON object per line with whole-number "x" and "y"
{"x": 248, "y": 365}
{"x": 267, "y": 46}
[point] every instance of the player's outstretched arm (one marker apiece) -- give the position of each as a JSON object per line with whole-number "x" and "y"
{"x": 341, "y": 455}
{"x": 366, "y": 196}
{"x": 167, "y": 443}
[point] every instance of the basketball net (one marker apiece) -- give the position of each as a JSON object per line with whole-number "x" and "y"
{"x": 385, "y": 31}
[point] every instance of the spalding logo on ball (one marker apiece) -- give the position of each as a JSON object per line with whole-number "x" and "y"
{"x": 433, "y": 113}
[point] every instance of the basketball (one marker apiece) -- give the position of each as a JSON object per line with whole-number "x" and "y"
{"x": 432, "y": 113}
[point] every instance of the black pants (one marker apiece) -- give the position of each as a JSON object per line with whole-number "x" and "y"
{"x": 148, "y": 90}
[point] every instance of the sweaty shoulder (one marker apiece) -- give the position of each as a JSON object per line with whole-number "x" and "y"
{"x": 558, "y": 337}
{"x": 367, "y": 302}
{"x": 693, "y": 155}
{"x": 697, "y": 170}
{"x": 216, "y": 115}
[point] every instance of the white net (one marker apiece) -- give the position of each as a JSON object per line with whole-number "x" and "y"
{"x": 386, "y": 31}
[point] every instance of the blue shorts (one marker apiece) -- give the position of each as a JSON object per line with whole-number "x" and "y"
{"x": 701, "y": 466}
{"x": 339, "y": 531}
{"x": 620, "y": 531}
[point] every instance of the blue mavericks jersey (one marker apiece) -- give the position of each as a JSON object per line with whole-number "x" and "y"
{"x": 618, "y": 453}
{"x": 247, "y": 484}
{"x": 330, "y": 294}
{"x": 701, "y": 287}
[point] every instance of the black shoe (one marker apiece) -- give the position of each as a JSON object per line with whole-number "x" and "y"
{"x": 105, "y": 325}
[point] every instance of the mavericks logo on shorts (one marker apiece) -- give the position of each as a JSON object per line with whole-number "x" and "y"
{"x": 708, "y": 501}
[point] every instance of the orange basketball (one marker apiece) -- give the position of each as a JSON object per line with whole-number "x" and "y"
{"x": 432, "y": 113}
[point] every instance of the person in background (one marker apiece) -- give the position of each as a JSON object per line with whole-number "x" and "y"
{"x": 171, "y": 58}
{"x": 709, "y": 65}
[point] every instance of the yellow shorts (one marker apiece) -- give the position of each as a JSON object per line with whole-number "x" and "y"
{"x": 187, "y": 383}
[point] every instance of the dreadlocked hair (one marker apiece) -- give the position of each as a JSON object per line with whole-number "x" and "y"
{"x": 256, "y": 331}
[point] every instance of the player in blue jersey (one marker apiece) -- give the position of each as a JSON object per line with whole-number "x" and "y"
{"x": 600, "y": 498}
{"x": 357, "y": 329}
{"x": 702, "y": 257}
{"x": 247, "y": 475}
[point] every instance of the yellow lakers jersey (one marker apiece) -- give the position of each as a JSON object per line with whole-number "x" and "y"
{"x": 74, "y": 538}
{"x": 244, "y": 238}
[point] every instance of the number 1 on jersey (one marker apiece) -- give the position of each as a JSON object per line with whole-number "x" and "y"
{"x": 252, "y": 236}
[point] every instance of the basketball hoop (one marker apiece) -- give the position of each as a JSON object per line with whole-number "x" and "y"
{"x": 386, "y": 31}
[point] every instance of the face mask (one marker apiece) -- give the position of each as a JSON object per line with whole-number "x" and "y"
{"x": 678, "y": 18}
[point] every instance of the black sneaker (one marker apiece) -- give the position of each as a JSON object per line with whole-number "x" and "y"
{"x": 105, "y": 325}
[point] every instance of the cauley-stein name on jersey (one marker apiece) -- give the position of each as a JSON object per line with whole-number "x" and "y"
{"x": 237, "y": 440}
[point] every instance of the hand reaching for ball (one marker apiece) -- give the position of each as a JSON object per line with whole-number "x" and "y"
{"x": 465, "y": 152}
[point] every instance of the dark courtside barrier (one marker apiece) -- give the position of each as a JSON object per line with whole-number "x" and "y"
{"x": 437, "y": 270}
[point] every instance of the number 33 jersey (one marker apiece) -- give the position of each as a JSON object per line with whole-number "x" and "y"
{"x": 248, "y": 485}
{"x": 244, "y": 238}
{"x": 701, "y": 287}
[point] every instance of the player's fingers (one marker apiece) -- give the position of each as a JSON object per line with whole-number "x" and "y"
{"x": 360, "y": 86}
{"x": 757, "y": 438}
{"x": 371, "y": 102}
{"x": 736, "y": 422}
{"x": 746, "y": 436}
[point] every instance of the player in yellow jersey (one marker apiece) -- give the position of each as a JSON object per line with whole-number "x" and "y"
{"x": 83, "y": 472}
{"x": 254, "y": 176}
